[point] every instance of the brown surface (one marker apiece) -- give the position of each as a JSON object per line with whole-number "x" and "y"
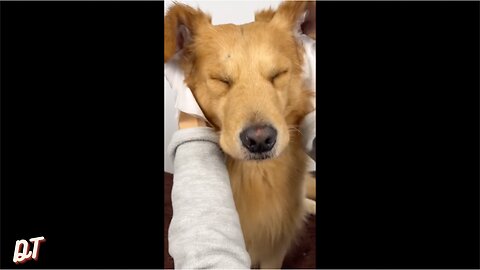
{"x": 302, "y": 255}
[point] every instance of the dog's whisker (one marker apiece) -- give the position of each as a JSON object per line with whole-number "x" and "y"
{"x": 294, "y": 130}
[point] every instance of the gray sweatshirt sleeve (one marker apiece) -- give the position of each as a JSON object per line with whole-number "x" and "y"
{"x": 205, "y": 229}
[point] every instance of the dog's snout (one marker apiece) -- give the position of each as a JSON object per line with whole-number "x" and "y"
{"x": 259, "y": 138}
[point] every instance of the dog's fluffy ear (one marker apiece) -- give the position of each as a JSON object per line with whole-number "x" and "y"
{"x": 181, "y": 23}
{"x": 264, "y": 15}
{"x": 299, "y": 16}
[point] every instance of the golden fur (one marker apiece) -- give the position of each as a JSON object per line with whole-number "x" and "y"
{"x": 244, "y": 74}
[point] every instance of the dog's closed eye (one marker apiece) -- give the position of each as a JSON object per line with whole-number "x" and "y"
{"x": 277, "y": 74}
{"x": 222, "y": 79}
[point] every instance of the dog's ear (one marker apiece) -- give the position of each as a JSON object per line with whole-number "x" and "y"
{"x": 299, "y": 16}
{"x": 181, "y": 24}
{"x": 264, "y": 15}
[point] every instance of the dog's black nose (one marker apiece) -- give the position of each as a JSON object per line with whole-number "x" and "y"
{"x": 259, "y": 138}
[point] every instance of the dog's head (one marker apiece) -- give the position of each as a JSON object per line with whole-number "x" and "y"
{"x": 246, "y": 78}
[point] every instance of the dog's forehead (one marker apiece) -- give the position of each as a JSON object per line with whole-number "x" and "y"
{"x": 247, "y": 30}
{"x": 254, "y": 37}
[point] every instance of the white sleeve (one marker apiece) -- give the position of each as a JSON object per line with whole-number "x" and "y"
{"x": 308, "y": 130}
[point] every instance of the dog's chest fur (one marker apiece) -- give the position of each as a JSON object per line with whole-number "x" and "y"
{"x": 269, "y": 196}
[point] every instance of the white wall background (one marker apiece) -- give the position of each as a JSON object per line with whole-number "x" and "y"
{"x": 222, "y": 12}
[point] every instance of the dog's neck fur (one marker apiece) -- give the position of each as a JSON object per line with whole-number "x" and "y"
{"x": 258, "y": 186}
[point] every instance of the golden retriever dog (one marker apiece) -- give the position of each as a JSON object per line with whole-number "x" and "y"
{"x": 248, "y": 81}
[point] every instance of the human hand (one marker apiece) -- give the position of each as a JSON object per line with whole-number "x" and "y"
{"x": 189, "y": 121}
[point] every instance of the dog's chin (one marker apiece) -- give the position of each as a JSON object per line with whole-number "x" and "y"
{"x": 245, "y": 155}
{"x": 260, "y": 156}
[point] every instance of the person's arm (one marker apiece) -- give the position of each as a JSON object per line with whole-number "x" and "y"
{"x": 205, "y": 230}
{"x": 308, "y": 130}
